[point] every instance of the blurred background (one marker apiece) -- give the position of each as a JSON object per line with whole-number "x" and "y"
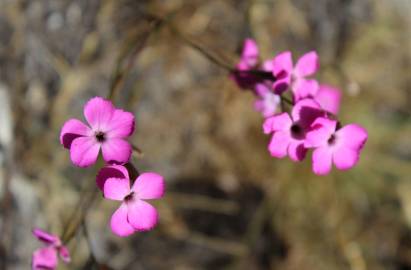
{"x": 229, "y": 205}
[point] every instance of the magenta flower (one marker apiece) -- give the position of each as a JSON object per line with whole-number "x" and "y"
{"x": 295, "y": 76}
{"x": 329, "y": 98}
{"x": 134, "y": 213}
{"x": 46, "y": 257}
{"x": 107, "y": 129}
{"x": 267, "y": 102}
{"x": 341, "y": 146}
{"x": 289, "y": 132}
{"x": 248, "y": 61}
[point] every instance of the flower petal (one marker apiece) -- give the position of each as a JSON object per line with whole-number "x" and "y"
{"x": 44, "y": 258}
{"x": 279, "y": 144}
{"x": 306, "y": 111}
{"x": 303, "y": 88}
{"x": 46, "y": 237}
{"x": 352, "y": 136}
{"x": 307, "y": 65}
{"x": 116, "y": 151}
{"x": 142, "y": 215}
{"x": 149, "y": 186}
{"x": 116, "y": 188}
{"x": 98, "y": 112}
{"x": 119, "y": 222}
{"x": 283, "y": 64}
{"x": 329, "y": 98}
{"x": 113, "y": 171}
{"x": 121, "y": 124}
{"x": 322, "y": 160}
{"x": 279, "y": 122}
{"x": 345, "y": 158}
{"x": 84, "y": 151}
{"x": 64, "y": 254}
{"x": 250, "y": 53}
{"x": 320, "y": 133}
{"x": 297, "y": 151}
{"x": 71, "y": 130}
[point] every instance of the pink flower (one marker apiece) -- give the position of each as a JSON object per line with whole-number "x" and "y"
{"x": 46, "y": 257}
{"x": 287, "y": 74}
{"x": 340, "y": 146}
{"x": 289, "y": 132}
{"x": 248, "y": 61}
{"x": 267, "y": 102}
{"x": 134, "y": 213}
{"x": 329, "y": 98}
{"x": 107, "y": 129}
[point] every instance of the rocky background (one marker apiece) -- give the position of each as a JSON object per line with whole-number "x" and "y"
{"x": 229, "y": 205}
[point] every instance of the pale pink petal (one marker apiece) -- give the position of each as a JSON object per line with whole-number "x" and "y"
{"x": 329, "y": 98}
{"x": 268, "y": 65}
{"x": 279, "y": 144}
{"x": 44, "y": 258}
{"x": 84, "y": 151}
{"x": 71, "y": 130}
{"x": 345, "y": 158}
{"x": 296, "y": 150}
{"x": 121, "y": 125}
{"x": 321, "y": 131}
{"x": 64, "y": 254}
{"x": 268, "y": 104}
{"x": 142, "y": 215}
{"x": 116, "y": 188}
{"x": 261, "y": 89}
{"x": 112, "y": 171}
{"x": 322, "y": 160}
{"x": 282, "y": 64}
{"x": 306, "y": 111}
{"x": 98, "y": 112}
{"x": 303, "y": 88}
{"x": 352, "y": 136}
{"x": 119, "y": 222}
{"x": 116, "y": 151}
{"x": 250, "y": 53}
{"x": 149, "y": 186}
{"x": 307, "y": 65}
{"x": 46, "y": 237}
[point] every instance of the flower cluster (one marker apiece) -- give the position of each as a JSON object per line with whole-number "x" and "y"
{"x": 107, "y": 129}
{"x": 311, "y": 121}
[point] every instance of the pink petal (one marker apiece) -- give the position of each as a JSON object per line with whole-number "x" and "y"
{"x": 352, "y": 136}
{"x": 250, "y": 53}
{"x": 121, "y": 124}
{"x": 268, "y": 65}
{"x": 279, "y": 144}
{"x": 345, "y": 158}
{"x": 98, "y": 112}
{"x": 283, "y": 64}
{"x": 306, "y": 111}
{"x": 261, "y": 89}
{"x": 329, "y": 98}
{"x": 44, "y": 258}
{"x": 281, "y": 84}
{"x": 279, "y": 122}
{"x": 322, "y": 160}
{"x": 268, "y": 104}
{"x": 297, "y": 151}
{"x": 303, "y": 88}
{"x": 321, "y": 131}
{"x": 116, "y": 188}
{"x": 307, "y": 65}
{"x": 84, "y": 151}
{"x": 113, "y": 171}
{"x": 46, "y": 237}
{"x": 149, "y": 186}
{"x": 116, "y": 151}
{"x": 142, "y": 215}
{"x": 64, "y": 254}
{"x": 119, "y": 222}
{"x": 71, "y": 130}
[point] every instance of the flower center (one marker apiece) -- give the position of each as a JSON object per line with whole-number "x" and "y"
{"x": 331, "y": 140}
{"x": 100, "y": 136}
{"x": 297, "y": 132}
{"x": 129, "y": 197}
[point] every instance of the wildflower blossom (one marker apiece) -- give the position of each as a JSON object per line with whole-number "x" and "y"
{"x": 248, "y": 61}
{"x": 332, "y": 144}
{"x": 267, "y": 101}
{"x": 106, "y": 130}
{"x": 134, "y": 213}
{"x": 47, "y": 257}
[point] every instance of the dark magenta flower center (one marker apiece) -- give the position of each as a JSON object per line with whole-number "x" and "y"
{"x": 297, "y": 132}
{"x": 100, "y": 136}
{"x": 129, "y": 197}
{"x": 332, "y": 139}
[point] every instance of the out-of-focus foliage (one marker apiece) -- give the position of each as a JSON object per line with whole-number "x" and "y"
{"x": 229, "y": 204}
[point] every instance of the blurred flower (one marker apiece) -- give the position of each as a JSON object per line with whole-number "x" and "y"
{"x": 46, "y": 257}
{"x": 329, "y": 98}
{"x": 289, "y": 132}
{"x": 134, "y": 213}
{"x": 107, "y": 129}
{"x": 295, "y": 76}
{"x": 340, "y": 146}
{"x": 267, "y": 102}
{"x": 248, "y": 61}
